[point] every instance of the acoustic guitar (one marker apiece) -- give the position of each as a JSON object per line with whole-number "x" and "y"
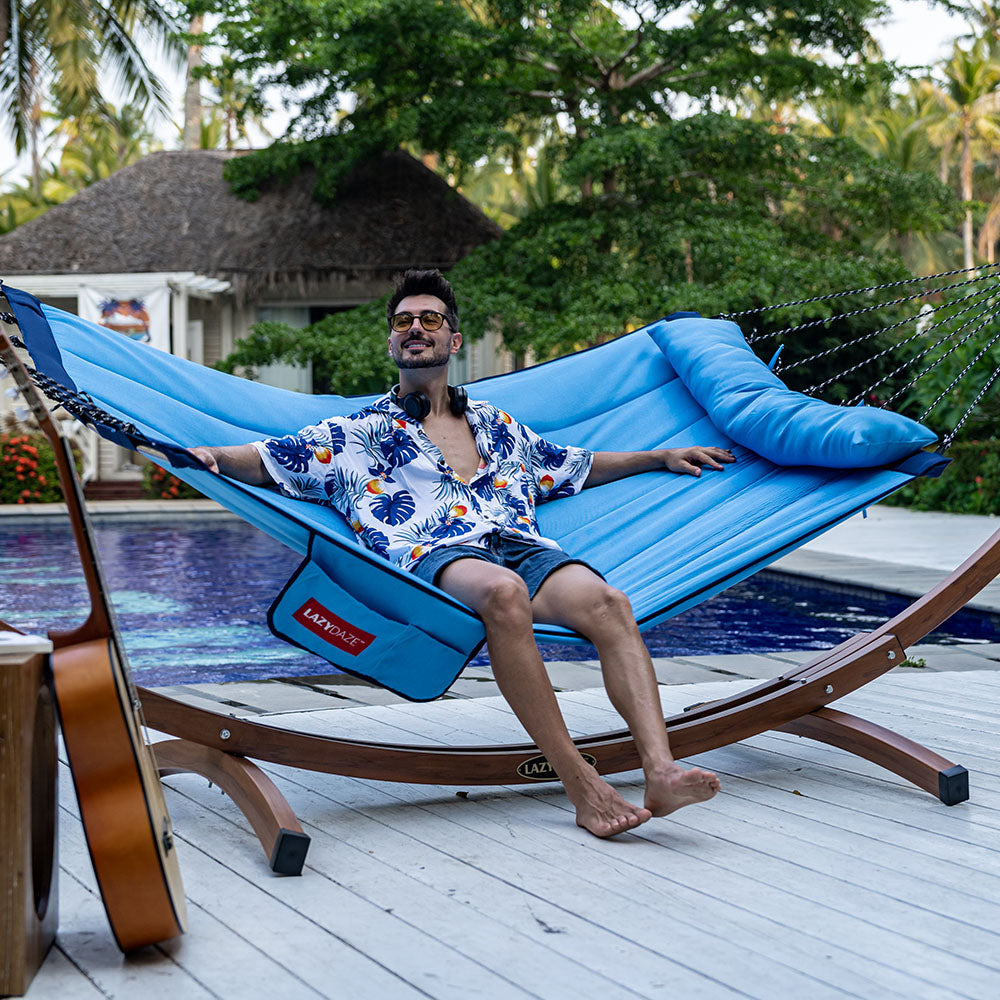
{"x": 124, "y": 813}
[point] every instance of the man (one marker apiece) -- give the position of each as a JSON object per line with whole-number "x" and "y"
{"x": 447, "y": 489}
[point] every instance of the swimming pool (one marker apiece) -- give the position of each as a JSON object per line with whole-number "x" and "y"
{"x": 192, "y": 597}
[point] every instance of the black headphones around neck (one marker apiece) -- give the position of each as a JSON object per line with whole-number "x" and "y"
{"x": 416, "y": 405}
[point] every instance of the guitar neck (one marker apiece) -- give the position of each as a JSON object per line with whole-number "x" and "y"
{"x": 101, "y": 622}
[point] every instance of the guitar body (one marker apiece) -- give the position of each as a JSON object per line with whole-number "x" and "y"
{"x": 121, "y": 800}
{"x": 124, "y": 813}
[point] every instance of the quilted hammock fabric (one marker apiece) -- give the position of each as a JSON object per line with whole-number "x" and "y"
{"x": 668, "y": 541}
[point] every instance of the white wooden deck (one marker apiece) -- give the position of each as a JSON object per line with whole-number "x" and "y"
{"x": 812, "y": 875}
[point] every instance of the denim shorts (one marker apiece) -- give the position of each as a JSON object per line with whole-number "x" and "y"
{"x": 532, "y": 562}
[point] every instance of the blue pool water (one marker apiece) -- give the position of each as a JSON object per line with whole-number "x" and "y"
{"x": 192, "y": 598}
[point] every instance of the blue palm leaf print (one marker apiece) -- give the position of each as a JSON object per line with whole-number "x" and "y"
{"x": 307, "y": 487}
{"x": 565, "y": 490}
{"x": 450, "y": 528}
{"x": 393, "y": 508}
{"x": 291, "y": 452}
{"x": 337, "y": 438}
{"x": 503, "y": 440}
{"x": 399, "y": 448}
{"x": 551, "y": 456}
{"x": 376, "y": 541}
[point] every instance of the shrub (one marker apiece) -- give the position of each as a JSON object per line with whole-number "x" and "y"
{"x": 163, "y": 485}
{"x": 27, "y": 469}
{"x": 970, "y": 485}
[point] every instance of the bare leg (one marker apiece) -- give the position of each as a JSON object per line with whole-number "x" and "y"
{"x": 576, "y": 597}
{"x": 501, "y": 599}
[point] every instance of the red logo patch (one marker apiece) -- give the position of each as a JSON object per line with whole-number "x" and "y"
{"x": 324, "y": 623}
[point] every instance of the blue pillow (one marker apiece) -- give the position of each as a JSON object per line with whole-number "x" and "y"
{"x": 756, "y": 409}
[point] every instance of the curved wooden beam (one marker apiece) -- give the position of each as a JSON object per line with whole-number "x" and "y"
{"x": 612, "y": 752}
{"x": 770, "y": 705}
{"x": 924, "y": 768}
{"x": 277, "y": 828}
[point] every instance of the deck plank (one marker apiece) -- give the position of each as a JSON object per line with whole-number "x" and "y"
{"x": 813, "y": 874}
{"x": 386, "y": 854}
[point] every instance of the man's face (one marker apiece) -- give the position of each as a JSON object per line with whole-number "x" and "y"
{"x": 416, "y": 347}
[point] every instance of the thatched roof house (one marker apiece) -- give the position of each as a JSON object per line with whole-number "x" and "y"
{"x": 169, "y": 230}
{"x": 173, "y": 212}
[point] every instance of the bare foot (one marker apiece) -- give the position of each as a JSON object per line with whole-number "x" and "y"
{"x": 600, "y": 809}
{"x": 671, "y": 788}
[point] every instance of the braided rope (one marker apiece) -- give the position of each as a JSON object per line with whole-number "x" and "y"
{"x": 946, "y": 443}
{"x": 893, "y": 347}
{"x": 979, "y": 293}
{"x": 84, "y": 408}
{"x": 859, "y": 291}
{"x": 865, "y": 309}
{"x": 924, "y": 354}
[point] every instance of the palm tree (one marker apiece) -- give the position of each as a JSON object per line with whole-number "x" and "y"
{"x": 94, "y": 146}
{"x": 236, "y": 101}
{"x": 970, "y": 100}
{"x": 58, "y": 46}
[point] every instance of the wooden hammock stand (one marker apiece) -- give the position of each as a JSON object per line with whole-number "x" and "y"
{"x": 217, "y": 746}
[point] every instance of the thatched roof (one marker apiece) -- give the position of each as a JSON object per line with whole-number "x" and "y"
{"x": 172, "y": 211}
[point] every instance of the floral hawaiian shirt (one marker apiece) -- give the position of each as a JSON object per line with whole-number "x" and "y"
{"x": 381, "y": 471}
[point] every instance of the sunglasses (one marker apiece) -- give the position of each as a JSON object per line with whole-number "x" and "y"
{"x": 429, "y": 319}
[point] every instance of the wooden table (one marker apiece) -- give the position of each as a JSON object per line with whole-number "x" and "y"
{"x": 29, "y": 912}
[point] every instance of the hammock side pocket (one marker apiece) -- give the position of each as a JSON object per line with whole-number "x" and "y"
{"x": 317, "y": 614}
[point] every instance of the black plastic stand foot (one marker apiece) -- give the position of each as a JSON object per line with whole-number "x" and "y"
{"x": 289, "y": 852}
{"x": 953, "y": 785}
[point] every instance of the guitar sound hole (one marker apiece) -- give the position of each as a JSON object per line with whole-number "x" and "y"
{"x": 43, "y": 801}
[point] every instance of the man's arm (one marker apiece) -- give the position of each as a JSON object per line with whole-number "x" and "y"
{"x": 241, "y": 461}
{"x": 611, "y": 465}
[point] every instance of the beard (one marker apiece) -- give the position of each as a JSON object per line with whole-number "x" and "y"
{"x": 438, "y": 357}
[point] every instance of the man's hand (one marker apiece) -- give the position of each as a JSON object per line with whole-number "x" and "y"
{"x": 241, "y": 461}
{"x": 207, "y": 458}
{"x": 688, "y": 461}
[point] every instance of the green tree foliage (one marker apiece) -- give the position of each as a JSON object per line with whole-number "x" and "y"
{"x": 710, "y": 213}
{"x": 349, "y": 351}
{"x": 464, "y": 79}
{"x": 970, "y": 485}
{"x": 666, "y": 205}
{"x": 970, "y": 100}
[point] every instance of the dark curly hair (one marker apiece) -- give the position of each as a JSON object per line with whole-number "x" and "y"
{"x": 429, "y": 282}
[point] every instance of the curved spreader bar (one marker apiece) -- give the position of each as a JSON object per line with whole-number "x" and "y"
{"x": 793, "y": 702}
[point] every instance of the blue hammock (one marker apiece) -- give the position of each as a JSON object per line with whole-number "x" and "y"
{"x": 668, "y": 541}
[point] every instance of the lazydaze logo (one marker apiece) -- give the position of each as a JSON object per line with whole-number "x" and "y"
{"x": 324, "y": 623}
{"x": 539, "y": 769}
